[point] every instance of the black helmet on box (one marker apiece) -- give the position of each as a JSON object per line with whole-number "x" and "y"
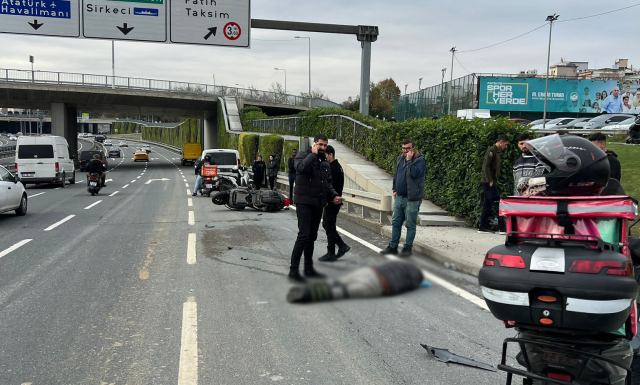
{"x": 574, "y": 167}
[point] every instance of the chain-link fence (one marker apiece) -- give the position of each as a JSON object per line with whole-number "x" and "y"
{"x": 434, "y": 101}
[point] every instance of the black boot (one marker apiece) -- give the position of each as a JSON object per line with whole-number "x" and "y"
{"x": 294, "y": 275}
{"x": 330, "y": 256}
{"x": 390, "y": 250}
{"x": 342, "y": 250}
{"x": 310, "y": 272}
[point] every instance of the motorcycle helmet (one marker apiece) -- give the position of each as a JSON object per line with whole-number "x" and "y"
{"x": 573, "y": 167}
{"x": 207, "y": 158}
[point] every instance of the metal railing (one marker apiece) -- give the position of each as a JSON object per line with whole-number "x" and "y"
{"x": 7, "y": 151}
{"x": 119, "y": 82}
{"x": 342, "y": 128}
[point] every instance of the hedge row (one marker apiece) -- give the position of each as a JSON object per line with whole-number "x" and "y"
{"x": 248, "y": 148}
{"x": 271, "y": 145}
{"x": 187, "y": 132}
{"x": 453, "y": 148}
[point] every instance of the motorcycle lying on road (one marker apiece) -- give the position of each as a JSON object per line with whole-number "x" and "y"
{"x": 240, "y": 198}
{"x": 93, "y": 184}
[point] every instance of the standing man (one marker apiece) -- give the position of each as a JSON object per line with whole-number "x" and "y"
{"x": 600, "y": 140}
{"x": 490, "y": 176}
{"x": 331, "y": 212}
{"x": 613, "y": 103}
{"x": 313, "y": 190}
{"x": 408, "y": 190}
{"x": 199, "y": 163}
{"x": 292, "y": 173}
{"x": 526, "y": 167}
{"x": 259, "y": 168}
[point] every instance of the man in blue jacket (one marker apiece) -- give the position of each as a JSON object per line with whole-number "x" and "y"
{"x": 408, "y": 190}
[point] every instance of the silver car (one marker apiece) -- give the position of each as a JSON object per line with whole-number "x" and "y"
{"x": 603, "y": 120}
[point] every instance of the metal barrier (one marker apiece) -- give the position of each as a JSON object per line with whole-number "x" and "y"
{"x": 119, "y": 82}
{"x": 7, "y": 151}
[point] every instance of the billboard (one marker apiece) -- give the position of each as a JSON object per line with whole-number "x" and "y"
{"x": 565, "y": 95}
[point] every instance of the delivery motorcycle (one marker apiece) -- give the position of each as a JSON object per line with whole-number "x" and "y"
{"x": 93, "y": 184}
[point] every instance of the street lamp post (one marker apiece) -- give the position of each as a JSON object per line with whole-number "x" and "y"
{"x": 419, "y": 84}
{"x": 453, "y": 54}
{"x": 550, "y": 19}
{"x": 113, "y": 64}
{"x": 444, "y": 70}
{"x": 308, "y": 38}
{"x": 285, "y": 77}
{"x": 405, "y": 88}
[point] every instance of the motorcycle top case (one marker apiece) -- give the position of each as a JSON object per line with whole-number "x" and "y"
{"x": 209, "y": 170}
{"x": 543, "y": 284}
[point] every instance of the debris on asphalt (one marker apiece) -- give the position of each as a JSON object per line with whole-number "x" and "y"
{"x": 229, "y": 247}
{"x": 426, "y": 284}
{"x": 446, "y": 356}
{"x": 244, "y": 258}
{"x": 207, "y": 226}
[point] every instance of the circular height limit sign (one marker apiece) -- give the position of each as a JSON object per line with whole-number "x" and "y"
{"x": 232, "y": 31}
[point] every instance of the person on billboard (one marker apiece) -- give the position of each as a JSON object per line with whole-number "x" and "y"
{"x": 626, "y": 107}
{"x": 613, "y": 103}
{"x": 586, "y": 98}
{"x": 636, "y": 99}
{"x": 604, "y": 95}
{"x": 627, "y": 92}
{"x": 596, "y": 108}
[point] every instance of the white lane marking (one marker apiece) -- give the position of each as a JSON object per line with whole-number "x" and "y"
{"x": 427, "y": 275}
{"x": 186, "y": 184}
{"x": 138, "y": 177}
{"x": 108, "y": 180}
{"x": 133, "y": 181}
{"x": 57, "y": 188}
{"x": 188, "y": 192}
{"x": 114, "y": 193}
{"x": 188, "y": 369}
{"x": 125, "y": 186}
{"x": 191, "y": 250}
{"x": 192, "y": 218}
{"x": 35, "y": 195}
{"x": 15, "y": 247}
{"x": 93, "y": 204}
{"x": 190, "y": 202}
{"x": 53, "y": 226}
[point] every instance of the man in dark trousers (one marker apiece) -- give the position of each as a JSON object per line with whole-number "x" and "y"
{"x": 331, "y": 212}
{"x": 490, "y": 176}
{"x": 259, "y": 168}
{"x": 313, "y": 190}
{"x": 408, "y": 191}
{"x": 292, "y": 172}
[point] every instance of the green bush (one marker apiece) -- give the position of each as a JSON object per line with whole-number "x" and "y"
{"x": 248, "y": 114}
{"x": 289, "y": 145}
{"x": 453, "y": 149}
{"x": 248, "y": 148}
{"x": 271, "y": 145}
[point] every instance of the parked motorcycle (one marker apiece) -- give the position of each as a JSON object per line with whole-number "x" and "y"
{"x": 211, "y": 181}
{"x": 245, "y": 179}
{"x": 93, "y": 184}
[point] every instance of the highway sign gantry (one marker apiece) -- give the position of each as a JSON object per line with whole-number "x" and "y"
{"x": 204, "y": 22}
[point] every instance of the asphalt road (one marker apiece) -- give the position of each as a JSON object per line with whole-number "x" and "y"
{"x": 140, "y": 287}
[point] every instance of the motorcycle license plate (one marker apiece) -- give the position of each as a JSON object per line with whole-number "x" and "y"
{"x": 93, "y": 183}
{"x": 208, "y": 186}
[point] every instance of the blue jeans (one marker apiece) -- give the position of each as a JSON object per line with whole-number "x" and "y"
{"x": 197, "y": 185}
{"x": 404, "y": 210}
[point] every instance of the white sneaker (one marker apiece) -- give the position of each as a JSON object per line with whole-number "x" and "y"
{"x": 485, "y": 231}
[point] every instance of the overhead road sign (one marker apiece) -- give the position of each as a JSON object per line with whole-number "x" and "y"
{"x": 139, "y": 20}
{"x": 211, "y": 22}
{"x": 42, "y": 17}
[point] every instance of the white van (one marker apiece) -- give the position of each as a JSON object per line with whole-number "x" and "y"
{"x": 44, "y": 159}
{"x": 471, "y": 114}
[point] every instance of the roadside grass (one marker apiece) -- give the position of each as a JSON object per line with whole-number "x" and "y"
{"x": 629, "y": 157}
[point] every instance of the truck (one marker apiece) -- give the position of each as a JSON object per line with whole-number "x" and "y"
{"x": 190, "y": 152}
{"x": 471, "y": 114}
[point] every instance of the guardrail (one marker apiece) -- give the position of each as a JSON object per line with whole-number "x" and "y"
{"x": 119, "y": 82}
{"x": 7, "y": 151}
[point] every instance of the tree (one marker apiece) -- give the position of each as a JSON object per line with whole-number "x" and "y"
{"x": 351, "y": 104}
{"x": 280, "y": 94}
{"x": 381, "y": 98}
{"x": 315, "y": 94}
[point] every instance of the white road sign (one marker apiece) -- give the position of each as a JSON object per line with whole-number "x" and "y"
{"x": 42, "y": 17}
{"x": 141, "y": 20}
{"x": 211, "y": 22}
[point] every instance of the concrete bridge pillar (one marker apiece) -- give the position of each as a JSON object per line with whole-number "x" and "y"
{"x": 210, "y": 129}
{"x": 64, "y": 122}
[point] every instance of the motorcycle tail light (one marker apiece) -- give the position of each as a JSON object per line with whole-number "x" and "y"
{"x": 560, "y": 376}
{"x": 512, "y": 261}
{"x": 287, "y": 202}
{"x": 16, "y": 167}
{"x": 594, "y": 267}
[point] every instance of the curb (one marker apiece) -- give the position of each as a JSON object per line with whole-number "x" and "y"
{"x": 437, "y": 255}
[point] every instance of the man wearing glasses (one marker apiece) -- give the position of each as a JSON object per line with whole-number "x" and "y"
{"x": 408, "y": 190}
{"x": 613, "y": 103}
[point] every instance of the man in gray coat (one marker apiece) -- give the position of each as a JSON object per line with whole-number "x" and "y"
{"x": 408, "y": 190}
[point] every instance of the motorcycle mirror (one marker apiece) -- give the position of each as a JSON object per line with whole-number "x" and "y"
{"x": 16, "y": 179}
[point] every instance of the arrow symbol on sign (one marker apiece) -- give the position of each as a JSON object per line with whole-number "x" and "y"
{"x": 162, "y": 180}
{"x": 124, "y": 29}
{"x": 212, "y": 31}
{"x": 35, "y": 24}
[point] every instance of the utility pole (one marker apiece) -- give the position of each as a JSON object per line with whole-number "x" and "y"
{"x": 453, "y": 54}
{"x": 405, "y": 89}
{"x": 550, "y": 19}
{"x": 31, "y": 59}
{"x": 113, "y": 64}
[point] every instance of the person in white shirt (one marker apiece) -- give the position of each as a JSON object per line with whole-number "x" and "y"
{"x": 626, "y": 107}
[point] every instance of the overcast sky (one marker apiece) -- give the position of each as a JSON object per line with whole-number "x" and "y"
{"x": 414, "y": 42}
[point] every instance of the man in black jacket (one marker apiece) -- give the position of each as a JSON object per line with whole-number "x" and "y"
{"x": 96, "y": 166}
{"x": 331, "y": 212}
{"x": 600, "y": 140}
{"x": 292, "y": 172}
{"x": 313, "y": 189}
{"x": 259, "y": 168}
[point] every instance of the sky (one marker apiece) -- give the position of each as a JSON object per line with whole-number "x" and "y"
{"x": 414, "y": 42}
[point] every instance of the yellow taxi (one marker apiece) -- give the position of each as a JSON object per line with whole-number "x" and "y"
{"x": 140, "y": 155}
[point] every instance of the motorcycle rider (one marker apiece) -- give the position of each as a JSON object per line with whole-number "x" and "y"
{"x": 204, "y": 162}
{"x": 96, "y": 166}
